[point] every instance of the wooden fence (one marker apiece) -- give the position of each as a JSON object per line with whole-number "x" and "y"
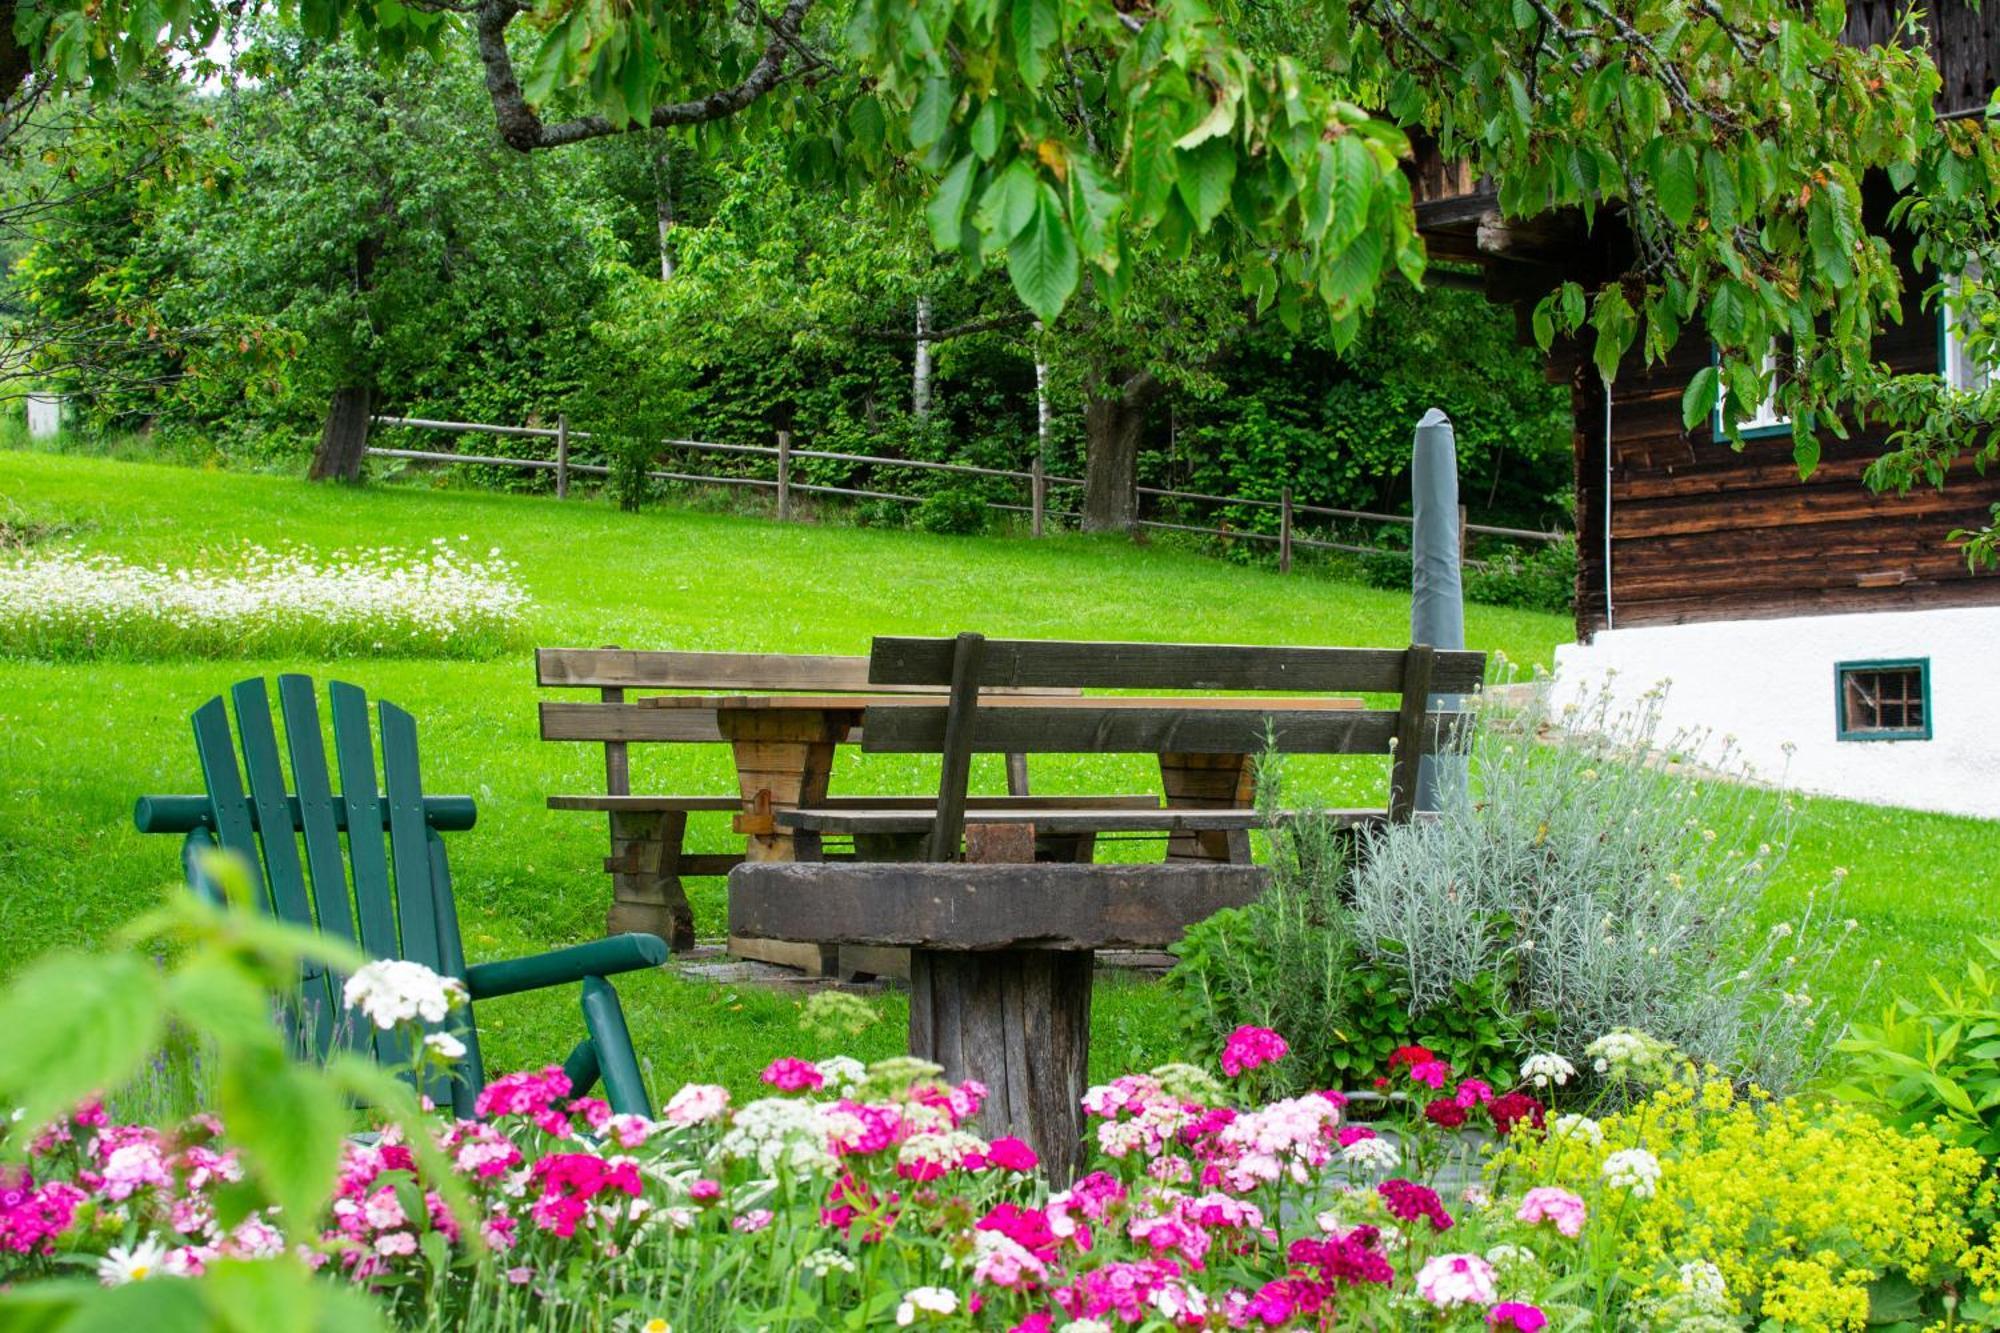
{"x": 1038, "y": 482}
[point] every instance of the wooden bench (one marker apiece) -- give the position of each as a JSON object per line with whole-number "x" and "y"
{"x": 648, "y": 856}
{"x": 1196, "y": 738}
{"x": 1001, "y": 951}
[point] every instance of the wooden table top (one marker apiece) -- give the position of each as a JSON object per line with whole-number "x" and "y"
{"x": 862, "y": 702}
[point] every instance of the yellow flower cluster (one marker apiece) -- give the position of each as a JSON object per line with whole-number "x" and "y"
{"x": 1799, "y": 1206}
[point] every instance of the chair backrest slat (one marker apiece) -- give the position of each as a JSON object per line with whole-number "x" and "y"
{"x": 318, "y": 822}
{"x": 451, "y": 949}
{"x": 353, "y": 750}
{"x": 316, "y": 817}
{"x": 228, "y": 808}
{"x": 409, "y": 849}
{"x": 284, "y": 873}
{"x": 1163, "y": 730}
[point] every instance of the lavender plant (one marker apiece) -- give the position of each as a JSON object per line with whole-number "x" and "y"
{"x": 1612, "y": 878}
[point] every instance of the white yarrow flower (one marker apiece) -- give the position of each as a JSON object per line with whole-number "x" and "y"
{"x": 1547, "y": 1068}
{"x": 445, "y": 1045}
{"x": 390, "y": 991}
{"x": 928, "y": 1301}
{"x": 1633, "y": 1169}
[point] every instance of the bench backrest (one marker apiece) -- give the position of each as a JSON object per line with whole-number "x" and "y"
{"x": 966, "y": 664}
{"x": 385, "y": 886}
{"x": 617, "y": 723}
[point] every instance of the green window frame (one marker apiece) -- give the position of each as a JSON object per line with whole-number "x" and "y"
{"x": 1901, "y": 714}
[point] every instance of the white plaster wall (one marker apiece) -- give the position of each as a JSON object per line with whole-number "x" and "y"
{"x": 1769, "y": 682}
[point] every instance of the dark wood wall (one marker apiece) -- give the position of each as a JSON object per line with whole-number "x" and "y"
{"x": 1700, "y": 531}
{"x": 1964, "y": 43}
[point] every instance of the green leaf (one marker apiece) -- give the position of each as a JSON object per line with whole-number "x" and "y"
{"x": 1675, "y": 185}
{"x": 76, "y": 1024}
{"x": 1698, "y": 403}
{"x": 946, "y": 211}
{"x": 930, "y": 119}
{"x": 1805, "y": 452}
{"x": 986, "y": 127}
{"x": 1204, "y": 177}
{"x": 1008, "y": 204}
{"x": 1042, "y": 260}
{"x": 218, "y": 998}
{"x": 288, "y": 1122}
{"x": 1035, "y": 24}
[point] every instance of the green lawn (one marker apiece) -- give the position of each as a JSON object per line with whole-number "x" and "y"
{"x": 78, "y": 742}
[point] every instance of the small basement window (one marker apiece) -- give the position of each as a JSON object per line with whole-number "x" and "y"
{"x": 1884, "y": 701}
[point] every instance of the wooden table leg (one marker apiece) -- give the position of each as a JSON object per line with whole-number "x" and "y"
{"x": 1209, "y": 782}
{"x": 784, "y": 758}
{"x": 1018, "y": 1020}
{"x": 646, "y": 890}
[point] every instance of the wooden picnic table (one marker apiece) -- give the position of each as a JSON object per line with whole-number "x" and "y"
{"x": 784, "y": 746}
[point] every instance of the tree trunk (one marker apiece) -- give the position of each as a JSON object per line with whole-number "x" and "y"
{"x": 1114, "y": 423}
{"x": 920, "y": 375}
{"x": 663, "y": 202}
{"x": 345, "y": 435}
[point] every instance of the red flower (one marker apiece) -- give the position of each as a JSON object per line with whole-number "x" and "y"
{"x": 1510, "y": 1110}
{"x": 1409, "y": 1055}
{"x": 1445, "y": 1113}
{"x": 1408, "y": 1201}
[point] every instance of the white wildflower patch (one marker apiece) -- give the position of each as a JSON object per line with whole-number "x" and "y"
{"x": 1633, "y": 1169}
{"x": 65, "y": 604}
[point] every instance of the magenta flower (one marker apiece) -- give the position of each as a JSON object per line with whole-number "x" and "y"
{"x": 790, "y": 1074}
{"x": 1011, "y": 1154}
{"x": 1516, "y": 1317}
{"x": 1248, "y": 1047}
{"x": 1431, "y": 1073}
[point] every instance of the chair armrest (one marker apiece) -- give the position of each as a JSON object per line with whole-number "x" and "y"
{"x": 559, "y": 967}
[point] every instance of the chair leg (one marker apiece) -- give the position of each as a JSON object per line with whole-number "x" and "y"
{"x": 581, "y": 1068}
{"x": 605, "y": 1019}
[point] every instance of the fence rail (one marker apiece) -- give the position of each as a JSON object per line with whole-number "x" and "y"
{"x": 1038, "y": 481}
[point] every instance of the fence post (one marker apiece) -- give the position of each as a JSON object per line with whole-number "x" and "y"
{"x": 1038, "y": 490}
{"x": 1285, "y": 530}
{"x": 784, "y": 476}
{"x": 562, "y": 456}
{"x": 1461, "y": 536}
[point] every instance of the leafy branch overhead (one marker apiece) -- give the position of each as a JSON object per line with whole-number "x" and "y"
{"x": 1737, "y": 143}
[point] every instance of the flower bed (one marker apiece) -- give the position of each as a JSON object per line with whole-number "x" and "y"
{"x": 66, "y": 605}
{"x": 861, "y": 1195}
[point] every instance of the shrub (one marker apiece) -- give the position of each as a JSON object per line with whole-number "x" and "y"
{"x": 1604, "y": 888}
{"x": 1291, "y": 961}
{"x": 1544, "y": 579}
{"x": 1936, "y": 1063}
{"x": 65, "y": 605}
{"x": 952, "y": 513}
{"x": 1804, "y": 1217}
{"x": 1578, "y": 887}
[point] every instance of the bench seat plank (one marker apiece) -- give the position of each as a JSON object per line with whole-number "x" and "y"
{"x": 1059, "y": 821}
{"x": 649, "y": 804}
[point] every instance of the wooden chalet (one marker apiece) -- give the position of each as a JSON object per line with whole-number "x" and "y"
{"x": 1704, "y": 536}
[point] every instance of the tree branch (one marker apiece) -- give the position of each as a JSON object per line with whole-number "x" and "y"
{"x": 966, "y": 329}
{"x": 523, "y": 129}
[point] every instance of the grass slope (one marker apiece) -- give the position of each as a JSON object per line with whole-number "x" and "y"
{"x": 79, "y": 741}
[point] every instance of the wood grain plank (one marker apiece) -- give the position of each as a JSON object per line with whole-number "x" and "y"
{"x": 1169, "y": 666}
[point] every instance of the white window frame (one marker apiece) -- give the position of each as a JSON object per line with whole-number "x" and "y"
{"x": 1960, "y": 371}
{"x": 1766, "y": 420}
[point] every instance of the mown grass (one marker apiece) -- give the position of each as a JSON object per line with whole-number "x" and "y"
{"x": 79, "y": 742}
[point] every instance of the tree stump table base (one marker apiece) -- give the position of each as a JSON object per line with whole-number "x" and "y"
{"x": 1001, "y": 960}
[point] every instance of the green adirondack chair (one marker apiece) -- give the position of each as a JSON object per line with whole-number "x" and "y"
{"x": 392, "y": 897}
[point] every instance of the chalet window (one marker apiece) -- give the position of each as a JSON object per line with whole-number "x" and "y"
{"x": 1767, "y": 419}
{"x": 1884, "y": 701}
{"x": 1961, "y": 371}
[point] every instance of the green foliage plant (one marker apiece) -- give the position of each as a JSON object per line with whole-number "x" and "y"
{"x": 80, "y": 1024}
{"x": 953, "y": 511}
{"x": 1934, "y": 1062}
{"x": 1608, "y": 887}
{"x": 1792, "y": 1213}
